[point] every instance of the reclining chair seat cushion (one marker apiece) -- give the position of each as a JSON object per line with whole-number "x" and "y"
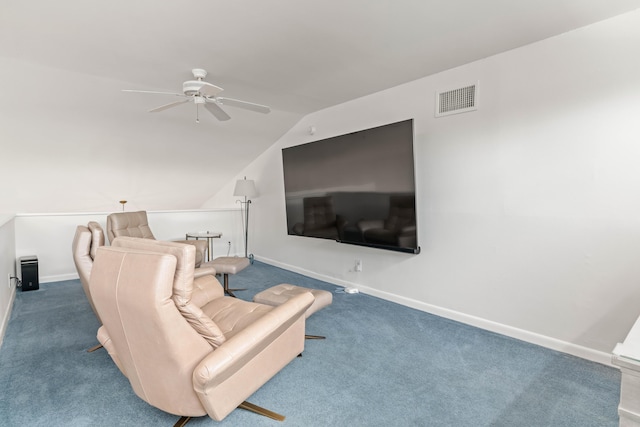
{"x": 233, "y": 315}
{"x": 203, "y": 324}
{"x": 206, "y": 288}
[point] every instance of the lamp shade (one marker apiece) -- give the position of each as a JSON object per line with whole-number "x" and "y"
{"x": 246, "y": 188}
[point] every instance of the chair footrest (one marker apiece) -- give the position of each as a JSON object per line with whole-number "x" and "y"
{"x": 280, "y": 294}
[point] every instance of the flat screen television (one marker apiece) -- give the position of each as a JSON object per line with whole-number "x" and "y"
{"x": 357, "y": 188}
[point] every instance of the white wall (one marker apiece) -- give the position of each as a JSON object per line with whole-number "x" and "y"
{"x": 49, "y": 236}
{"x": 105, "y": 147}
{"x": 7, "y": 267}
{"x": 529, "y": 208}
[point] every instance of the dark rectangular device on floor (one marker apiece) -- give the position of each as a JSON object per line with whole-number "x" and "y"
{"x": 29, "y": 273}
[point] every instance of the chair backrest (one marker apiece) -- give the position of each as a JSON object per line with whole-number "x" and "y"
{"x": 318, "y": 212}
{"x": 85, "y": 244}
{"x": 130, "y": 224}
{"x": 182, "y": 288}
{"x": 156, "y": 348}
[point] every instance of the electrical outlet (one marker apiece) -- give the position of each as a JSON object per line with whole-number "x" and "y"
{"x": 9, "y": 277}
{"x": 358, "y": 266}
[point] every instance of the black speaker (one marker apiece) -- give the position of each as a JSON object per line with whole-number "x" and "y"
{"x": 29, "y": 273}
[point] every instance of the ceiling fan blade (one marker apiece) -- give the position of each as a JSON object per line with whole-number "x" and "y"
{"x": 210, "y": 90}
{"x": 215, "y": 109}
{"x": 167, "y": 106}
{"x": 152, "y": 91}
{"x": 244, "y": 104}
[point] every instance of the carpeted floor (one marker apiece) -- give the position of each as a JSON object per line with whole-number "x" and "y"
{"x": 382, "y": 364}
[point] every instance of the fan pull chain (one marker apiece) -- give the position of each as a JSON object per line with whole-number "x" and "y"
{"x": 197, "y": 114}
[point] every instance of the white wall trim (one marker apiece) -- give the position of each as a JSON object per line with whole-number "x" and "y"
{"x": 59, "y": 278}
{"x": 7, "y": 316}
{"x": 478, "y": 322}
{"x": 5, "y": 218}
{"x": 54, "y": 251}
{"x": 36, "y": 214}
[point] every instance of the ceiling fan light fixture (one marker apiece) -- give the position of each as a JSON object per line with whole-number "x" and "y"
{"x": 195, "y": 87}
{"x": 205, "y": 93}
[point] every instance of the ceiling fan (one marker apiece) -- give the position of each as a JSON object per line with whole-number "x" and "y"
{"x": 206, "y": 94}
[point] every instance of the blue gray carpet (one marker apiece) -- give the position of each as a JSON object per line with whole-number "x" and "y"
{"x": 382, "y": 364}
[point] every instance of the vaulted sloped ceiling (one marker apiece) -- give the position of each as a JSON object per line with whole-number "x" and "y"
{"x": 71, "y": 140}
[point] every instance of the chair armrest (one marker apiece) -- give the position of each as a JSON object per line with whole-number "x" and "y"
{"x": 234, "y": 353}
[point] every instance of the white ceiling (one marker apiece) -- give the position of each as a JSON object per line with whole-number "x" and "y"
{"x": 66, "y": 61}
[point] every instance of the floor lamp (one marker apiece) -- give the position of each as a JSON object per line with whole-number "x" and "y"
{"x": 245, "y": 188}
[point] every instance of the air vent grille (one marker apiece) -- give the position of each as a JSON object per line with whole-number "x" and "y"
{"x": 457, "y": 101}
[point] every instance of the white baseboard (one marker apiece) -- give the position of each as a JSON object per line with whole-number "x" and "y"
{"x": 7, "y": 316}
{"x": 499, "y": 328}
{"x": 59, "y": 277}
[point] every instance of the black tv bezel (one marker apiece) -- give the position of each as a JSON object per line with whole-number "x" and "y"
{"x": 414, "y": 251}
{"x": 402, "y": 249}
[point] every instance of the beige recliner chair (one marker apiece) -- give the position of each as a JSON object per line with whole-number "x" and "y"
{"x": 186, "y": 357}
{"x": 85, "y": 244}
{"x": 136, "y": 224}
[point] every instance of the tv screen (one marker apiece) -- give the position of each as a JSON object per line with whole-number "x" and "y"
{"x": 357, "y": 188}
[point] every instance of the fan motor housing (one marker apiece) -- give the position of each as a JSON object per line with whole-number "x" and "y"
{"x": 192, "y": 87}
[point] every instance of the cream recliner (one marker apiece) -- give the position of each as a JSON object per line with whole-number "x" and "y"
{"x": 136, "y": 224}
{"x": 85, "y": 244}
{"x": 178, "y": 357}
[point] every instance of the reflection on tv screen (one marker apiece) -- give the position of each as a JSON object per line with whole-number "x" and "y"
{"x": 357, "y": 188}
